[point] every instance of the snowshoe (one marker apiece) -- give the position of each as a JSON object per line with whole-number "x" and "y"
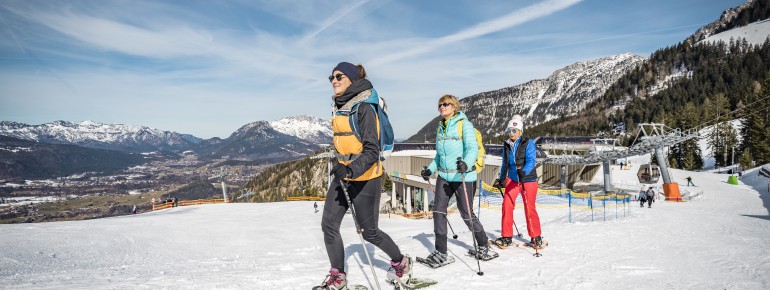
{"x": 503, "y": 242}
{"x": 348, "y": 287}
{"x": 436, "y": 260}
{"x": 537, "y": 243}
{"x": 414, "y": 283}
{"x": 482, "y": 252}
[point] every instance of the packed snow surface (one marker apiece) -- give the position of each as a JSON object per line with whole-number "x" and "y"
{"x": 717, "y": 241}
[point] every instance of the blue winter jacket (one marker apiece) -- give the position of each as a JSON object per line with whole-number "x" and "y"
{"x": 449, "y": 147}
{"x": 530, "y": 155}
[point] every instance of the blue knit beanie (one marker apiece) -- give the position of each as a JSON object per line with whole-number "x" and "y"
{"x": 348, "y": 69}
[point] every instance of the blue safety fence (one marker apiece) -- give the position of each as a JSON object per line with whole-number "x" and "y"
{"x": 578, "y": 206}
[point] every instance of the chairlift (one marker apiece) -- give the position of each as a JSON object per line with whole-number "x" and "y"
{"x": 648, "y": 174}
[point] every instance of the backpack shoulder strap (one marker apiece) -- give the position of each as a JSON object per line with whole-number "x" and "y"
{"x": 460, "y": 128}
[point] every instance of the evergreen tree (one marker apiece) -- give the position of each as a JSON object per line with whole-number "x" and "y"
{"x": 756, "y": 136}
{"x": 746, "y": 159}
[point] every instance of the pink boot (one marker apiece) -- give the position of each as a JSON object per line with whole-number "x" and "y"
{"x": 335, "y": 280}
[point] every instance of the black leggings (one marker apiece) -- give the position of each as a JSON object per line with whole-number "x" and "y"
{"x": 444, "y": 191}
{"x": 366, "y": 200}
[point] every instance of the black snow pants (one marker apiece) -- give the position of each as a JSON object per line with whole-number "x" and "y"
{"x": 366, "y": 200}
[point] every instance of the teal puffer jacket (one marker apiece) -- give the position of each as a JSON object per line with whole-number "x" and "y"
{"x": 449, "y": 147}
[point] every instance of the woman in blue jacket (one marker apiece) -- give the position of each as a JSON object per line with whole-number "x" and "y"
{"x": 450, "y": 147}
{"x": 518, "y": 175}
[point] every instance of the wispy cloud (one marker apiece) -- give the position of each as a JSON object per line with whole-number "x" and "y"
{"x": 330, "y": 21}
{"x": 207, "y": 68}
{"x": 512, "y": 19}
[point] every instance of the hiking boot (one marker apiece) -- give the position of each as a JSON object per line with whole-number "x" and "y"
{"x": 401, "y": 271}
{"x": 439, "y": 259}
{"x": 537, "y": 242}
{"x": 482, "y": 252}
{"x": 335, "y": 280}
{"x": 504, "y": 241}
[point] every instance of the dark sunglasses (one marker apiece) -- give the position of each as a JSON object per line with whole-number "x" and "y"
{"x": 509, "y": 131}
{"x": 337, "y": 76}
{"x": 444, "y": 105}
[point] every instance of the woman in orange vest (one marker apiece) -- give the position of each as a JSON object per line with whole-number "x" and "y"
{"x": 359, "y": 170}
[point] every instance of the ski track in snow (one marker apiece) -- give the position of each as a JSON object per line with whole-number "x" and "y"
{"x": 718, "y": 241}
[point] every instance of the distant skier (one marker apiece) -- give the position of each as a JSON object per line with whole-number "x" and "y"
{"x": 315, "y": 206}
{"x": 642, "y": 195}
{"x": 650, "y": 197}
{"x": 133, "y": 211}
{"x": 689, "y": 181}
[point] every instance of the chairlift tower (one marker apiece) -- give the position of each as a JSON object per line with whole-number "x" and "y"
{"x": 329, "y": 155}
{"x": 224, "y": 171}
{"x": 601, "y": 145}
{"x": 656, "y": 137}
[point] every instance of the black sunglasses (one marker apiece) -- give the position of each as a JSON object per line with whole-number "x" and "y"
{"x": 337, "y": 76}
{"x": 444, "y": 105}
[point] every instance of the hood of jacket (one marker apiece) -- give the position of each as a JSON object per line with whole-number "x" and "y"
{"x": 452, "y": 122}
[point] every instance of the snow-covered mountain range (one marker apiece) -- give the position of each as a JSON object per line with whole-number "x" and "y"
{"x": 92, "y": 134}
{"x": 289, "y": 137}
{"x": 305, "y": 127}
{"x": 258, "y": 141}
{"x": 565, "y": 92}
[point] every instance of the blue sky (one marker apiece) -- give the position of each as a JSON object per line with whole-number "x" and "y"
{"x": 209, "y": 67}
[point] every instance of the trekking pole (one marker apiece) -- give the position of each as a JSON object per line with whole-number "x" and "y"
{"x": 454, "y": 236}
{"x": 518, "y": 234}
{"x": 470, "y": 217}
{"x": 359, "y": 230}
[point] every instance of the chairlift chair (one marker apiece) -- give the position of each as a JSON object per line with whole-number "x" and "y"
{"x": 648, "y": 174}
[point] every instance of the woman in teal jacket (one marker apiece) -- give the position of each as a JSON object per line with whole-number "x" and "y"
{"x": 453, "y": 154}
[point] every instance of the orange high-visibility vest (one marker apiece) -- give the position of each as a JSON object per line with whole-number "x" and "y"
{"x": 348, "y": 147}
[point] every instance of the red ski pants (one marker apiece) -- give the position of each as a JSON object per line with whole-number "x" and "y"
{"x": 528, "y": 196}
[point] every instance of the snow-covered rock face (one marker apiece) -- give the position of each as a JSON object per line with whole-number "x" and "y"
{"x": 754, "y": 33}
{"x": 309, "y": 128}
{"x": 727, "y": 16}
{"x": 564, "y": 93}
{"x": 98, "y": 135}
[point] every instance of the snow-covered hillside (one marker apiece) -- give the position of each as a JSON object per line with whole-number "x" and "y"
{"x": 727, "y": 16}
{"x": 708, "y": 159}
{"x": 754, "y": 33}
{"x": 718, "y": 241}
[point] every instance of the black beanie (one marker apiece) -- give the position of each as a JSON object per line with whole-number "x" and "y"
{"x": 348, "y": 69}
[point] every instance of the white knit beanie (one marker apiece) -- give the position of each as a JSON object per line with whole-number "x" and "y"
{"x": 516, "y": 122}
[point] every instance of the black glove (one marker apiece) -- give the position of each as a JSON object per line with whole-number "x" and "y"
{"x": 425, "y": 173}
{"x": 461, "y": 166}
{"x": 498, "y": 183}
{"x": 521, "y": 174}
{"x": 340, "y": 172}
